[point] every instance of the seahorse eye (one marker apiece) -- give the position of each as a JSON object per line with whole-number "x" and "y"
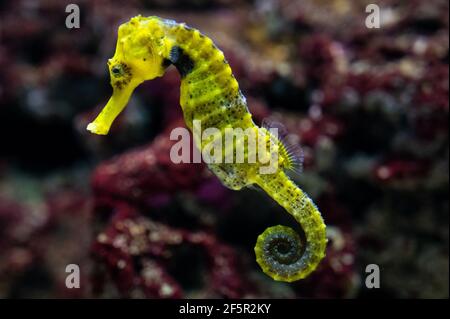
{"x": 117, "y": 70}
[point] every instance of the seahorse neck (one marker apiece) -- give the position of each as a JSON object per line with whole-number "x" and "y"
{"x": 192, "y": 52}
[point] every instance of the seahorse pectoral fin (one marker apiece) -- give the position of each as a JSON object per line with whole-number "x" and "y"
{"x": 112, "y": 109}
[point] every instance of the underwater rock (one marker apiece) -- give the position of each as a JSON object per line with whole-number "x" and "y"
{"x": 143, "y": 257}
{"x": 139, "y": 175}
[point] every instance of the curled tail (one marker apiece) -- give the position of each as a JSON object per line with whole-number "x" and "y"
{"x": 280, "y": 251}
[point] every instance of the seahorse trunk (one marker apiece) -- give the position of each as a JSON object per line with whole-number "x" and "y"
{"x": 209, "y": 92}
{"x": 279, "y": 250}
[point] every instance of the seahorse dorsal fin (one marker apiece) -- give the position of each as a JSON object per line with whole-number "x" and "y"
{"x": 289, "y": 145}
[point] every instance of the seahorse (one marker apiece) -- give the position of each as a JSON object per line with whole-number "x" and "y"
{"x": 146, "y": 47}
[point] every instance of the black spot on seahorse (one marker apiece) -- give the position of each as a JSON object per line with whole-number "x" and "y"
{"x": 166, "y": 63}
{"x": 181, "y": 60}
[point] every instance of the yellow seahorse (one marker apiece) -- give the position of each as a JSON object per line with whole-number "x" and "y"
{"x": 146, "y": 47}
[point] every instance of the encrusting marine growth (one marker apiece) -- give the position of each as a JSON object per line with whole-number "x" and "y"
{"x": 146, "y": 47}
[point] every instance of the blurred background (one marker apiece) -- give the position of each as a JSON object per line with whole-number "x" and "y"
{"x": 370, "y": 108}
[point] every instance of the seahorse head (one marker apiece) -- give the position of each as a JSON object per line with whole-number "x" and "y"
{"x": 141, "y": 51}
